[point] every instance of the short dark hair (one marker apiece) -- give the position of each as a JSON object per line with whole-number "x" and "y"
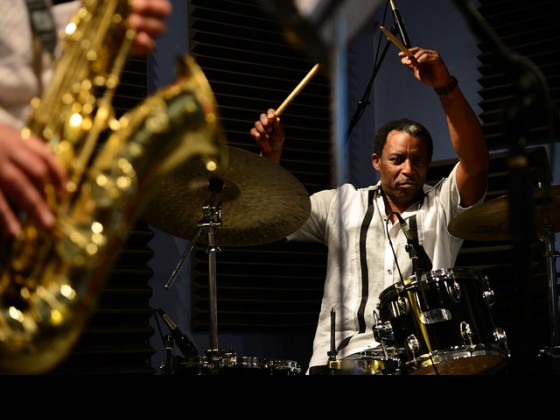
{"x": 404, "y": 125}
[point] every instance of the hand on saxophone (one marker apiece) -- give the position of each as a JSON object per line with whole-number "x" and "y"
{"x": 26, "y": 167}
{"x": 148, "y": 18}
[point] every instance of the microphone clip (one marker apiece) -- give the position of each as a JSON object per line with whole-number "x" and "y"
{"x": 420, "y": 259}
{"x": 399, "y": 24}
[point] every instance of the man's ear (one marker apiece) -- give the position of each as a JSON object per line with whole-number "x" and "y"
{"x": 375, "y": 161}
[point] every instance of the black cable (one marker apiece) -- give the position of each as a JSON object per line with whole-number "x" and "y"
{"x": 391, "y": 245}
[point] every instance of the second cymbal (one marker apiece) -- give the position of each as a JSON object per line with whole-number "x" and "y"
{"x": 490, "y": 221}
{"x": 261, "y": 202}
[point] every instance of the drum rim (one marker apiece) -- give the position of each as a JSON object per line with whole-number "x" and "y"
{"x": 411, "y": 282}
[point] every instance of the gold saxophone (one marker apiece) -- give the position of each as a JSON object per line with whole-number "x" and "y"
{"x": 50, "y": 281}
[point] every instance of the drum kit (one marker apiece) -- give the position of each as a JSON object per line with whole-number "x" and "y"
{"x": 440, "y": 323}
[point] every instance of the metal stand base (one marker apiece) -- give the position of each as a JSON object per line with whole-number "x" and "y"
{"x": 549, "y": 361}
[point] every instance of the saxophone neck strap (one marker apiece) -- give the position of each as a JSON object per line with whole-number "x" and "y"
{"x": 42, "y": 23}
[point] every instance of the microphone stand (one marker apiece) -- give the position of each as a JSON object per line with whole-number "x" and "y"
{"x": 421, "y": 264}
{"x": 420, "y": 260}
{"x": 411, "y": 249}
{"x": 362, "y": 103}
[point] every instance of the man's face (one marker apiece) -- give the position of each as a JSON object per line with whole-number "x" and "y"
{"x": 403, "y": 167}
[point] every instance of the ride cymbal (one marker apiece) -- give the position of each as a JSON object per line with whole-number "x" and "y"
{"x": 261, "y": 202}
{"x": 490, "y": 221}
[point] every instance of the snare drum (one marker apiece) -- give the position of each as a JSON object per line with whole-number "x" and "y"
{"x": 444, "y": 324}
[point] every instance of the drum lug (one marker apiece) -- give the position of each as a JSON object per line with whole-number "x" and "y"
{"x": 402, "y": 306}
{"x": 383, "y": 332}
{"x": 489, "y": 297}
{"x": 455, "y": 291}
{"x": 413, "y": 344}
{"x": 466, "y": 332}
{"x": 400, "y": 286}
{"x": 500, "y": 336}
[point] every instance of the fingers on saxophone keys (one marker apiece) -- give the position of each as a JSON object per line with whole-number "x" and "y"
{"x": 9, "y": 223}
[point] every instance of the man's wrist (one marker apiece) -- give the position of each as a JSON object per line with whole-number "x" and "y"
{"x": 447, "y": 89}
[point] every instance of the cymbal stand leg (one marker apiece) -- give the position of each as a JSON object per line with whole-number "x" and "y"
{"x": 183, "y": 258}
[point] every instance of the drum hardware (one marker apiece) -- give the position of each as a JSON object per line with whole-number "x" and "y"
{"x": 382, "y": 332}
{"x": 490, "y": 222}
{"x": 500, "y": 337}
{"x": 229, "y": 363}
{"x": 382, "y": 360}
{"x": 280, "y": 208}
{"x": 489, "y": 297}
{"x": 333, "y": 363}
{"x": 551, "y": 353}
{"x": 455, "y": 291}
{"x": 167, "y": 366}
{"x": 332, "y": 353}
{"x": 421, "y": 262}
{"x": 466, "y": 333}
{"x": 378, "y": 361}
{"x": 212, "y": 220}
{"x": 413, "y": 345}
{"x": 186, "y": 346}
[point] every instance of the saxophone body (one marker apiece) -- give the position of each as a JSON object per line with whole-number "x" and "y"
{"x": 50, "y": 281}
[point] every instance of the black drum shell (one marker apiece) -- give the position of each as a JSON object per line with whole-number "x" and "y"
{"x": 447, "y": 315}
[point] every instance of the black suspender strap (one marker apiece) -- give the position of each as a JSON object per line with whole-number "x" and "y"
{"x": 42, "y": 23}
{"x": 413, "y": 226}
{"x": 364, "y": 268}
{"x": 363, "y": 260}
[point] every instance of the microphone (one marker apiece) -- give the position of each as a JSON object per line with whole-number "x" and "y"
{"x": 399, "y": 24}
{"x": 406, "y": 229}
{"x": 182, "y": 341}
{"x": 418, "y": 254}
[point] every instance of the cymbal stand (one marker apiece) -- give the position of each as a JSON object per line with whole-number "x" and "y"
{"x": 212, "y": 219}
{"x": 554, "y": 350}
{"x": 547, "y": 236}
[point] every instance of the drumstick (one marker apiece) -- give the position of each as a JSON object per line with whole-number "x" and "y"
{"x": 297, "y": 90}
{"x": 398, "y": 43}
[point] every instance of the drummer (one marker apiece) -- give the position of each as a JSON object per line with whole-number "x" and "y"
{"x": 400, "y": 203}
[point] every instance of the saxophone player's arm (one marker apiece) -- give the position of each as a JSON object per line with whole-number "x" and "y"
{"x": 148, "y": 18}
{"x": 26, "y": 167}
